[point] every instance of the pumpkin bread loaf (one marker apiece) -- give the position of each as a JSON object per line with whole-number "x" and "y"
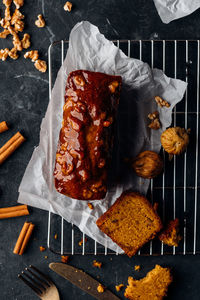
{"x": 152, "y": 287}
{"x": 130, "y": 222}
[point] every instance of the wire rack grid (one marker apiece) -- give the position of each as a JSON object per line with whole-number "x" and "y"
{"x": 177, "y": 189}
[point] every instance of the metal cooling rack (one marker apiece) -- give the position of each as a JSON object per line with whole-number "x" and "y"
{"x": 177, "y": 190}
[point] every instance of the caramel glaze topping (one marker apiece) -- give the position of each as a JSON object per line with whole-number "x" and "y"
{"x": 86, "y": 137}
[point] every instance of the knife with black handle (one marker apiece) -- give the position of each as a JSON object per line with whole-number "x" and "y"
{"x": 82, "y": 280}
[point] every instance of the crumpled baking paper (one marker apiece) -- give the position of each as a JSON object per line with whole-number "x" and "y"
{"x": 90, "y": 50}
{"x": 170, "y": 10}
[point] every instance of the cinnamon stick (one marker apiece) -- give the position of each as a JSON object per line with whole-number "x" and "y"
{"x": 14, "y": 211}
{"x": 11, "y": 146}
{"x": 23, "y": 238}
{"x": 3, "y": 126}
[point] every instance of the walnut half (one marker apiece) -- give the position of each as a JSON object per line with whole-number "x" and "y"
{"x": 33, "y": 55}
{"x": 40, "y": 65}
{"x": 26, "y": 41}
{"x": 40, "y": 22}
{"x": 4, "y": 54}
{"x": 68, "y": 6}
{"x": 13, "y": 53}
{"x": 155, "y": 123}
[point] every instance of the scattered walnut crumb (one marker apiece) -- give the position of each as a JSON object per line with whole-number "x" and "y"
{"x": 55, "y": 236}
{"x": 89, "y": 287}
{"x": 155, "y": 206}
{"x": 18, "y": 3}
{"x": 33, "y": 55}
{"x": 155, "y": 124}
{"x": 13, "y": 53}
{"x": 4, "y": 54}
{"x": 64, "y": 258}
{"x": 40, "y": 22}
{"x": 26, "y": 41}
{"x": 68, "y": 6}
{"x": 40, "y": 65}
{"x": 161, "y": 102}
{"x": 97, "y": 264}
{"x": 137, "y": 267}
{"x": 4, "y": 34}
{"x": 17, "y": 15}
{"x": 119, "y": 287}
{"x": 81, "y": 242}
{"x": 90, "y": 205}
{"x": 100, "y": 288}
{"x": 42, "y": 249}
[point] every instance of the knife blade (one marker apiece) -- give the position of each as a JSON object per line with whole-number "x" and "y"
{"x": 82, "y": 280}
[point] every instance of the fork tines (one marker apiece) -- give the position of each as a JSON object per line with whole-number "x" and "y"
{"x": 35, "y": 279}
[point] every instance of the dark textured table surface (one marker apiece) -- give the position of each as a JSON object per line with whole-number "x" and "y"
{"x": 23, "y": 101}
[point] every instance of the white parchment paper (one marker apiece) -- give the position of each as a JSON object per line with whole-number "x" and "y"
{"x": 90, "y": 50}
{"x": 170, "y": 10}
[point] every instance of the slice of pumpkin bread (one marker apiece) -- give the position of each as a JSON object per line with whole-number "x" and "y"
{"x": 152, "y": 287}
{"x": 130, "y": 222}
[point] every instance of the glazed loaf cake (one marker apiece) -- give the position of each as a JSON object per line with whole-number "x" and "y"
{"x": 130, "y": 222}
{"x": 86, "y": 137}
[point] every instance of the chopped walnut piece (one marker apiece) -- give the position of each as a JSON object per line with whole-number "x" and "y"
{"x": 7, "y": 14}
{"x": 154, "y": 115}
{"x": 81, "y": 242}
{"x": 79, "y": 80}
{"x": 7, "y": 2}
{"x": 155, "y": 124}
{"x": 100, "y": 288}
{"x": 113, "y": 86}
{"x": 4, "y": 34}
{"x": 4, "y": 54}
{"x": 42, "y": 249}
{"x": 87, "y": 193}
{"x": 90, "y": 205}
{"x": 17, "y": 15}
{"x": 40, "y": 22}
{"x": 97, "y": 264}
{"x": 19, "y": 25}
{"x": 64, "y": 259}
{"x": 13, "y": 53}
{"x": 33, "y": 55}
{"x": 18, "y": 3}
{"x": 119, "y": 287}
{"x": 17, "y": 43}
{"x": 137, "y": 268}
{"x": 161, "y": 102}
{"x": 68, "y": 6}
{"x": 26, "y": 41}
{"x": 155, "y": 206}
{"x": 40, "y": 65}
